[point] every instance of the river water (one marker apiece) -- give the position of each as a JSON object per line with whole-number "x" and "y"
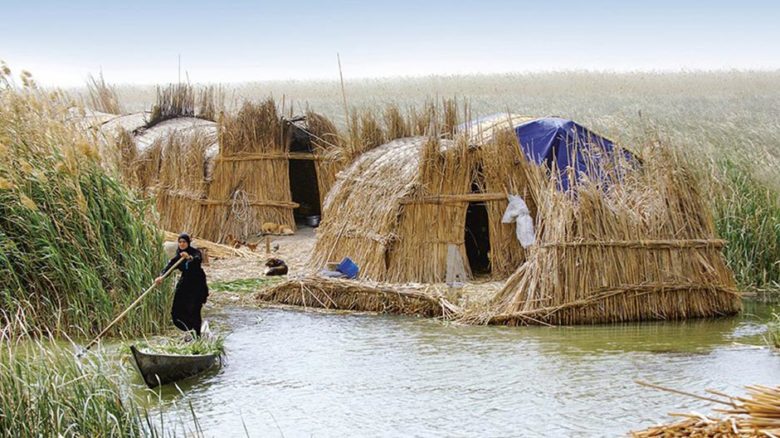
{"x": 295, "y": 374}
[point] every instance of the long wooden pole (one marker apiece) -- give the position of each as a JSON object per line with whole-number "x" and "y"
{"x": 129, "y": 308}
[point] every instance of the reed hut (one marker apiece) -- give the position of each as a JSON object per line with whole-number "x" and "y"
{"x": 230, "y": 177}
{"x": 424, "y": 209}
{"x": 643, "y": 248}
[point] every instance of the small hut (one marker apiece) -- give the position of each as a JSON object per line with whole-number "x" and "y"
{"x": 268, "y": 169}
{"x": 617, "y": 239}
{"x": 423, "y": 209}
{"x": 231, "y": 176}
{"x": 644, "y": 248}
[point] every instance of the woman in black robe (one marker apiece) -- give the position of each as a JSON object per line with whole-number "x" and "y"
{"x": 191, "y": 289}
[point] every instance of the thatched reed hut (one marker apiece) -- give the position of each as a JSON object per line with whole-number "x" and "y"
{"x": 228, "y": 177}
{"x": 616, "y": 239}
{"x": 645, "y": 248}
{"x": 424, "y": 209}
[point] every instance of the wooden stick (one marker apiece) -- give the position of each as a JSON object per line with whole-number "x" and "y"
{"x": 130, "y": 307}
{"x": 267, "y": 244}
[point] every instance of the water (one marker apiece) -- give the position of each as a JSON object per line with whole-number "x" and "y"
{"x": 306, "y": 374}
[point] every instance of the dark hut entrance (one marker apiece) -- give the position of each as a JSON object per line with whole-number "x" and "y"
{"x": 477, "y": 238}
{"x": 303, "y": 178}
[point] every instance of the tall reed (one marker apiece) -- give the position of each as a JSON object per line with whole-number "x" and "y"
{"x": 75, "y": 246}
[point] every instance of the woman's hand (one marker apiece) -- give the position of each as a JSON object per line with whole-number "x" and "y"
{"x": 185, "y": 255}
{"x": 158, "y": 280}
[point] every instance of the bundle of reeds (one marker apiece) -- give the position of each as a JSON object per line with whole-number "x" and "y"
{"x": 755, "y": 415}
{"x": 211, "y": 102}
{"x": 639, "y": 246}
{"x": 339, "y": 294}
{"x": 75, "y": 246}
{"x": 433, "y": 216}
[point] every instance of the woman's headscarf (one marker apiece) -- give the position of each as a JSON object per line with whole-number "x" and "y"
{"x": 186, "y": 238}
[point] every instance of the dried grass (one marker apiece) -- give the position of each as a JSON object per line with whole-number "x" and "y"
{"x": 102, "y": 96}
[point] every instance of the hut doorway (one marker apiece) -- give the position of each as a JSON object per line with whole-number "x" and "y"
{"x": 477, "y": 238}
{"x": 304, "y": 188}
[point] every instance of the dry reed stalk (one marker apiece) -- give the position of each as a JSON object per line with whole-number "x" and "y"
{"x": 102, "y": 96}
{"x": 351, "y": 295}
{"x": 755, "y": 415}
{"x": 211, "y": 102}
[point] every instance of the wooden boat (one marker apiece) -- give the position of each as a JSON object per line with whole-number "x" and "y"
{"x": 159, "y": 369}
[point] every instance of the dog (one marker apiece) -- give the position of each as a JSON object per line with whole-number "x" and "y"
{"x": 270, "y": 228}
{"x": 275, "y": 266}
{"x": 276, "y": 229}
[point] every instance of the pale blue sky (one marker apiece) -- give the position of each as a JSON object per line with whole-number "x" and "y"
{"x": 140, "y": 41}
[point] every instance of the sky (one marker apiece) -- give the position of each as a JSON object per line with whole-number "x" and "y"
{"x": 141, "y": 42}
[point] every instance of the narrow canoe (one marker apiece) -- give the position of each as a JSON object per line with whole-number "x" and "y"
{"x": 159, "y": 369}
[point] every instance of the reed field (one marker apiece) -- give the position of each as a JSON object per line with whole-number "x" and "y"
{"x": 76, "y": 246}
{"x": 726, "y": 124}
{"x": 47, "y": 391}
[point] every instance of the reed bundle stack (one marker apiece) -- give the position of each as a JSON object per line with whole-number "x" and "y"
{"x": 756, "y": 415}
{"x": 338, "y": 294}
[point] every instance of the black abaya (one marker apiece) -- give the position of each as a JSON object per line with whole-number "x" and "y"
{"x": 191, "y": 291}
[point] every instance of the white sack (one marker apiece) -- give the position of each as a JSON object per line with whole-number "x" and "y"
{"x": 517, "y": 211}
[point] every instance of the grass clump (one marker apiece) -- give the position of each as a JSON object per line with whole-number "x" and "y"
{"x": 44, "y": 391}
{"x": 76, "y": 247}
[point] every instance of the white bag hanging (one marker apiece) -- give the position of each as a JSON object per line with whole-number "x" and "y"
{"x": 517, "y": 211}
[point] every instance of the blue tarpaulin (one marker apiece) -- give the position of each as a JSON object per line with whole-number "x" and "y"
{"x": 566, "y": 144}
